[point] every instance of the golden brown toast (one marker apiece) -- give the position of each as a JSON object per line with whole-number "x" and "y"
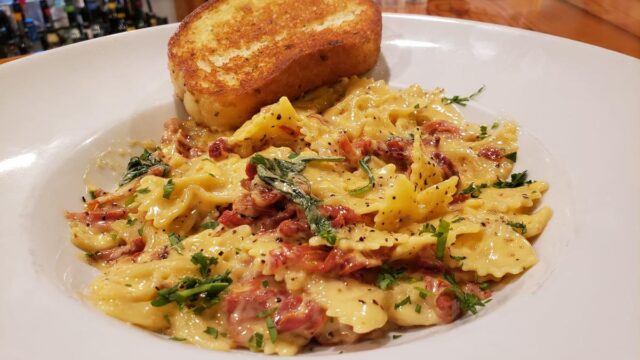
{"x": 231, "y": 57}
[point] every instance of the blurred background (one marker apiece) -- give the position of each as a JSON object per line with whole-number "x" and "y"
{"x": 31, "y": 26}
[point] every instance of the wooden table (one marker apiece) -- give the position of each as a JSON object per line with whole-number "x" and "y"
{"x": 611, "y": 24}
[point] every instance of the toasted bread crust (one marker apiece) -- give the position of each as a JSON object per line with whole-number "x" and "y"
{"x": 314, "y": 43}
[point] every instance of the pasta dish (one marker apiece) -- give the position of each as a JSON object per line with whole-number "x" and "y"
{"x": 352, "y": 212}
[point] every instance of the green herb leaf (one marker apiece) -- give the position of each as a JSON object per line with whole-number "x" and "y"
{"x": 418, "y": 308}
{"x": 131, "y": 221}
{"x": 265, "y": 283}
{"x": 293, "y": 155}
{"x": 168, "y": 189}
{"x": 473, "y": 190}
{"x": 422, "y": 292}
{"x": 255, "y": 342}
{"x": 458, "y": 258}
{"x": 517, "y": 180}
{"x": 130, "y": 200}
{"x": 462, "y": 100}
{"x": 273, "y": 331}
{"x": 483, "y": 132}
{"x": 396, "y": 336}
{"x": 402, "y": 303}
{"x": 520, "y": 227}
{"x": 282, "y": 176}
{"x": 139, "y": 166}
{"x": 209, "y": 225}
{"x": 484, "y": 286}
{"x": 203, "y": 262}
{"x": 441, "y": 238}
{"x": 265, "y": 313}
{"x": 141, "y": 231}
{"x": 389, "y": 276}
{"x": 175, "y": 338}
{"x": 512, "y": 156}
{"x": 175, "y": 241}
{"x": 495, "y": 125}
{"x": 308, "y": 158}
{"x": 212, "y": 331}
{"x": 372, "y": 180}
{"x": 427, "y": 228}
{"x": 457, "y": 220}
{"x": 144, "y": 190}
{"x": 92, "y": 194}
{"x": 194, "y": 293}
{"x": 468, "y": 302}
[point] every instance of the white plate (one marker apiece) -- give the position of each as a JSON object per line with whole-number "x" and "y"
{"x": 579, "y": 107}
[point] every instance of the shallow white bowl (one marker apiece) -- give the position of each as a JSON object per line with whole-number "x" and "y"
{"x": 579, "y": 107}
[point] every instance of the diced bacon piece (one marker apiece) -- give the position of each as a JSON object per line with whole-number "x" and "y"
{"x": 340, "y": 215}
{"x": 302, "y": 317}
{"x": 135, "y": 247}
{"x": 447, "y": 166}
{"x": 447, "y": 307}
{"x": 108, "y": 214}
{"x": 426, "y": 258}
{"x": 271, "y": 220}
{"x": 294, "y": 230}
{"x": 441, "y": 127}
{"x": 232, "y": 219}
{"x": 491, "y": 153}
{"x": 459, "y": 198}
{"x": 251, "y": 170}
{"x": 318, "y": 259}
{"x": 347, "y": 150}
{"x": 245, "y": 206}
{"x": 263, "y": 196}
{"x": 396, "y": 151}
{"x": 219, "y": 149}
{"x": 363, "y": 146}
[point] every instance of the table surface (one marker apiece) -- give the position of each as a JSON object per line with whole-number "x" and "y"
{"x": 611, "y": 24}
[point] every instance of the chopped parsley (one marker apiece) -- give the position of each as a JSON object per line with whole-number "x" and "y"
{"x": 204, "y": 262}
{"x": 168, "y": 189}
{"x": 396, "y": 336}
{"x": 131, "y": 221}
{"x": 265, "y": 283}
{"x": 176, "y": 338}
{"x": 495, "y": 125}
{"x": 512, "y": 156}
{"x": 389, "y": 276}
{"x": 474, "y": 190}
{"x": 209, "y": 225}
{"x": 273, "y": 331}
{"x": 141, "y": 231}
{"x": 265, "y": 313}
{"x": 130, "y": 200}
{"x": 520, "y": 227}
{"x": 441, "y": 236}
{"x": 144, "y": 190}
{"x": 484, "y": 286}
{"x": 402, "y": 303}
{"x": 372, "y": 180}
{"x": 418, "y": 308}
{"x": 255, "y": 342}
{"x": 458, "y": 258}
{"x": 282, "y": 175}
{"x": 483, "y": 132}
{"x": 422, "y": 292}
{"x": 212, "y": 331}
{"x": 140, "y": 165}
{"x": 194, "y": 293}
{"x": 468, "y": 302}
{"x": 175, "y": 240}
{"x": 457, "y": 220}
{"x": 460, "y": 100}
{"x": 517, "y": 180}
{"x": 92, "y": 194}
{"x": 427, "y": 228}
